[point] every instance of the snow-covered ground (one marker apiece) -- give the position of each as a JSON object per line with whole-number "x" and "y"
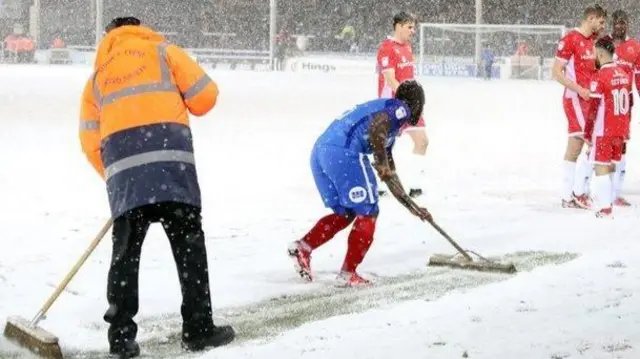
{"x": 493, "y": 179}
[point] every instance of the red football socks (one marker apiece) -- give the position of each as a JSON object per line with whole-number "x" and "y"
{"x": 326, "y": 228}
{"x": 360, "y": 240}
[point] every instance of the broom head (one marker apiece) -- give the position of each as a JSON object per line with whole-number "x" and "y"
{"x": 453, "y": 261}
{"x": 35, "y": 339}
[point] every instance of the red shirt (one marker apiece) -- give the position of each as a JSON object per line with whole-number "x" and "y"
{"x": 393, "y": 55}
{"x": 611, "y": 88}
{"x": 579, "y": 51}
{"x": 628, "y": 56}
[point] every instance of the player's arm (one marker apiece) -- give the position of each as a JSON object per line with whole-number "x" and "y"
{"x": 392, "y": 167}
{"x": 387, "y": 62}
{"x": 378, "y": 133}
{"x": 563, "y": 56}
{"x": 390, "y": 78}
{"x": 559, "y": 67}
{"x": 392, "y": 162}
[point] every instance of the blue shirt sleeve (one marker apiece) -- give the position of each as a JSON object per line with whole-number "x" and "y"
{"x": 399, "y": 114}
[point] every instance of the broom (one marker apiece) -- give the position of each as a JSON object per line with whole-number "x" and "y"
{"x": 27, "y": 334}
{"x": 484, "y": 265}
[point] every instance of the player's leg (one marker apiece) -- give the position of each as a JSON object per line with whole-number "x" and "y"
{"x": 356, "y": 192}
{"x": 382, "y": 187}
{"x": 605, "y": 151}
{"x": 415, "y": 166}
{"x": 584, "y": 166}
{"x": 584, "y": 171}
{"x": 328, "y": 226}
{"x": 129, "y": 231}
{"x": 618, "y": 178}
{"x": 575, "y": 143}
{"x": 621, "y": 170}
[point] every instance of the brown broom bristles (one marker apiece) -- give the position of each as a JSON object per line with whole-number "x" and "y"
{"x": 483, "y": 266}
{"x": 36, "y": 340}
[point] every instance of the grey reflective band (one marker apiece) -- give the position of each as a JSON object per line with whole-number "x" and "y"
{"x": 165, "y": 71}
{"x": 147, "y": 158}
{"x": 89, "y": 125}
{"x": 136, "y": 90}
{"x": 197, "y": 87}
{"x": 165, "y": 84}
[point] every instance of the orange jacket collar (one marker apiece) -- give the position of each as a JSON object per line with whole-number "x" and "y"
{"x": 119, "y": 35}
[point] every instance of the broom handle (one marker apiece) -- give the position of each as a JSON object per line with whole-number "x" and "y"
{"x": 448, "y": 238}
{"x": 43, "y": 311}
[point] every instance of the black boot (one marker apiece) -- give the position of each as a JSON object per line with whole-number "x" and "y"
{"x": 130, "y": 349}
{"x": 220, "y": 336}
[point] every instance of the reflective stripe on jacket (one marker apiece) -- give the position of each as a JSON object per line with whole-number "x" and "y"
{"x": 134, "y": 121}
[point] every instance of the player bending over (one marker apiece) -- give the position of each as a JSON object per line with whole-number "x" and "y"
{"x": 611, "y": 88}
{"x": 574, "y": 68}
{"x": 346, "y": 181}
{"x": 628, "y": 56}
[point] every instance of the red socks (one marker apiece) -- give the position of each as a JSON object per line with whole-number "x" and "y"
{"x": 326, "y": 228}
{"x": 360, "y": 240}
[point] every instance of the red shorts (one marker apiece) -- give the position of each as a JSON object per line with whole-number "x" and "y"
{"x": 408, "y": 127}
{"x": 577, "y": 111}
{"x": 606, "y": 150}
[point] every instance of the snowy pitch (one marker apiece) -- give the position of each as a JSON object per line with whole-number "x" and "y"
{"x": 493, "y": 183}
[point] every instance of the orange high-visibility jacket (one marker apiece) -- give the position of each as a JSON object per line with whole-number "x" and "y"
{"x": 134, "y": 124}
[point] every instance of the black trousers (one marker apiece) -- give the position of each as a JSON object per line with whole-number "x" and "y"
{"x": 183, "y": 225}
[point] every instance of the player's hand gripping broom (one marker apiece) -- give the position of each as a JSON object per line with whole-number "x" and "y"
{"x": 27, "y": 334}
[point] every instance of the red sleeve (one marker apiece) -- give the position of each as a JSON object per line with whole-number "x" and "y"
{"x": 386, "y": 57}
{"x": 565, "y": 48}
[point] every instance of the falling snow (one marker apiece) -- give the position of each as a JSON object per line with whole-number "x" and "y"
{"x": 492, "y": 180}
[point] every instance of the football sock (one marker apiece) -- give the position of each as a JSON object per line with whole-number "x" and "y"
{"x": 360, "y": 239}
{"x": 325, "y": 229}
{"x": 583, "y": 171}
{"x": 603, "y": 192}
{"x": 618, "y": 177}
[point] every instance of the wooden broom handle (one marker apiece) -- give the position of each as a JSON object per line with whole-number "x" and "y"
{"x": 453, "y": 243}
{"x": 72, "y": 273}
